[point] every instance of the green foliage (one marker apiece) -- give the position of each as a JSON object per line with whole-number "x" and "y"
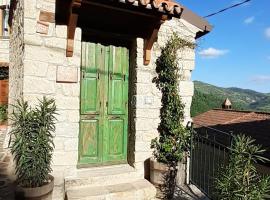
{"x": 207, "y": 97}
{"x": 3, "y": 73}
{"x": 3, "y": 113}
{"x": 174, "y": 137}
{"x": 239, "y": 180}
{"x": 32, "y": 145}
{"x": 202, "y": 102}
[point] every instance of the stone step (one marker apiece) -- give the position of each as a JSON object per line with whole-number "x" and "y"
{"x": 101, "y": 176}
{"x": 136, "y": 190}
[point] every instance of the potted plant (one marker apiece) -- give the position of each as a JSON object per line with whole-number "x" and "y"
{"x": 173, "y": 140}
{"x": 32, "y": 147}
{"x": 240, "y": 179}
{"x": 3, "y": 114}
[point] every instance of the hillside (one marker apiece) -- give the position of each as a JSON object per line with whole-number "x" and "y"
{"x": 207, "y": 97}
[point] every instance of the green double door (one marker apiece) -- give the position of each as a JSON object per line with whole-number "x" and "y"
{"x": 104, "y": 104}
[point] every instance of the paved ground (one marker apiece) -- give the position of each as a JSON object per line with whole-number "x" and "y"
{"x": 189, "y": 192}
{"x": 6, "y": 188}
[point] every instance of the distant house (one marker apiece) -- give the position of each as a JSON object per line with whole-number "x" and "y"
{"x": 254, "y": 124}
{"x": 4, "y": 51}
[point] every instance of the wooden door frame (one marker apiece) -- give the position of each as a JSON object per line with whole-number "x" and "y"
{"x": 121, "y": 43}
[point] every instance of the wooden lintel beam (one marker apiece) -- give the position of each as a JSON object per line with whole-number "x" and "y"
{"x": 71, "y": 27}
{"x": 153, "y": 36}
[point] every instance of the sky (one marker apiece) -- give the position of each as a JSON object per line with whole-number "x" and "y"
{"x": 237, "y": 51}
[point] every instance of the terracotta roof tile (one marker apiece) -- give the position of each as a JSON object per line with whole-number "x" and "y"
{"x": 166, "y": 6}
{"x": 254, "y": 124}
{"x": 4, "y": 64}
{"x": 219, "y": 116}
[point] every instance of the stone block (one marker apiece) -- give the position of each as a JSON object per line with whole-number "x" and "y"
{"x": 67, "y": 103}
{"x": 71, "y": 144}
{"x": 46, "y": 5}
{"x": 42, "y": 27}
{"x": 147, "y": 113}
{"x": 68, "y": 89}
{"x": 145, "y": 124}
{"x": 46, "y": 16}
{"x": 51, "y": 72}
{"x": 31, "y": 39}
{"x": 73, "y": 115}
{"x": 54, "y": 42}
{"x": 67, "y": 74}
{"x": 30, "y": 9}
{"x": 143, "y": 146}
{"x": 68, "y": 130}
{"x": 144, "y": 77}
{"x": 29, "y": 26}
{"x": 62, "y": 158}
{"x": 61, "y": 31}
{"x": 186, "y": 64}
{"x": 142, "y": 156}
{"x": 37, "y": 85}
{"x": 186, "y": 88}
{"x": 59, "y": 143}
{"x": 45, "y": 54}
{"x": 35, "y": 68}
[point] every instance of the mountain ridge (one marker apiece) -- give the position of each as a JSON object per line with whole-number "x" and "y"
{"x": 208, "y": 96}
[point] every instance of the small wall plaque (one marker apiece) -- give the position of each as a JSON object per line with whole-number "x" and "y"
{"x": 66, "y": 74}
{"x": 42, "y": 27}
{"x": 46, "y": 16}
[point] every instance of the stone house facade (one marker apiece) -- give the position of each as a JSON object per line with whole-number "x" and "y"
{"x": 49, "y": 56}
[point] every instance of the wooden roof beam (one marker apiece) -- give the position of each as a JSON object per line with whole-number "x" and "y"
{"x": 151, "y": 39}
{"x": 72, "y": 25}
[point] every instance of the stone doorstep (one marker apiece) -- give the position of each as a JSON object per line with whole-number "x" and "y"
{"x": 136, "y": 190}
{"x": 100, "y": 176}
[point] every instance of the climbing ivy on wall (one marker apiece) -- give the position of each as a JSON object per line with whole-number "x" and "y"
{"x": 173, "y": 137}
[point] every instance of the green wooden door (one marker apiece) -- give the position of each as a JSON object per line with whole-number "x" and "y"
{"x": 104, "y": 104}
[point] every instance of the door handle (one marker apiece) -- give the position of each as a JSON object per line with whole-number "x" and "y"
{"x": 115, "y": 117}
{"x": 83, "y": 74}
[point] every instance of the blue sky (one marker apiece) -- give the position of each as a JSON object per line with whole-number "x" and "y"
{"x": 237, "y": 52}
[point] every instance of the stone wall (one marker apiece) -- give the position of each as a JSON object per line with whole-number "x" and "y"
{"x": 16, "y": 54}
{"x": 4, "y": 50}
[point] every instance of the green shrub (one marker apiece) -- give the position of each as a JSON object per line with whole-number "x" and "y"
{"x": 32, "y": 145}
{"x": 239, "y": 180}
{"x": 173, "y": 137}
{"x": 3, "y": 113}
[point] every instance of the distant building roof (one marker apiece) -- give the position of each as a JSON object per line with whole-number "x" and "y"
{"x": 4, "y": 64}
{"x": 254, "y": 124}
{"x": 220, "y": 117}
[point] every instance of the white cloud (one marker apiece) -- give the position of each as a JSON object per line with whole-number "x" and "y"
{"x": 261, "y": 79}
{"x": 267, "y": 33}
{"x": 249, "y": 20}
{"x": 212, "y": 52}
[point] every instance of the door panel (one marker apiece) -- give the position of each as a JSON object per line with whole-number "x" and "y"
{"x": 118, "y": 79}
{"x": 90, "y": 147}
{"x": 104, "y": 111}
{"x": 92, "y": 61}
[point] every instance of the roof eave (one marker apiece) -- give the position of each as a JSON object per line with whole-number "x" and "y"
{"x": 196, "y": 21}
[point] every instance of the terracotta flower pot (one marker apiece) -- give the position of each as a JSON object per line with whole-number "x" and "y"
{"x": 157, "y": 172}
{"x": 38, "y": 193}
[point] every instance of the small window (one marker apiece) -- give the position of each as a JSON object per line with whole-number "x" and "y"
{"x": 4, "y": 29}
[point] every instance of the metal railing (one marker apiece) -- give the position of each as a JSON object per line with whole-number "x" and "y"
{"x": 209, "y": 151}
